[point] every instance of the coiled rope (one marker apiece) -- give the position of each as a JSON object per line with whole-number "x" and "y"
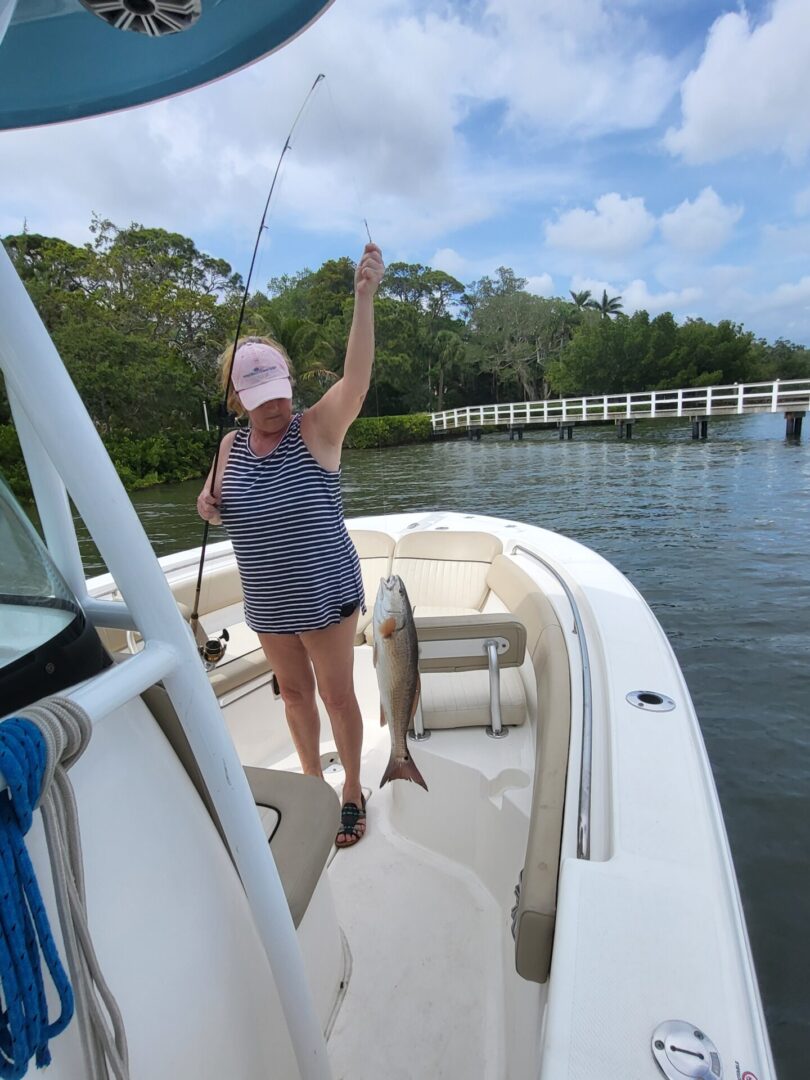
{"x": 37, "y": 747}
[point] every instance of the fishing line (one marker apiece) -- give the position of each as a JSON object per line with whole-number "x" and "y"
{"x": 358, "y": 204}
{"x": 209, "y": 654}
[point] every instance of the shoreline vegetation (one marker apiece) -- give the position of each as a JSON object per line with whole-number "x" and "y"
{"x": 139, "y": 316}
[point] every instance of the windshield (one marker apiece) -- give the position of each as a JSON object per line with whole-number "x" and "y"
{"x": 35, "y": 603}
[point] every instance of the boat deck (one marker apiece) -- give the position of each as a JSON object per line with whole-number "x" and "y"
{"x": 420, "y": 1001}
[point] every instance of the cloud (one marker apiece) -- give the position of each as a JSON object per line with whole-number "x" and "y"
{"x": 616, "y": 227}
{"x": 750, "y": 90}
{"x": 540, "y": 284}
{"x": 790, "y": 295}
{"x": 451, "y": 262}
{"x": 378, "y": 140}
{"x": 468, "y": 270}
{"x": 636, "y": 296}
{"x": 585, "y": 65}
{"x": 700, "y": 226}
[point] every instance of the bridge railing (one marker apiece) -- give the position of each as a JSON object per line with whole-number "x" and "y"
{"x": 778, "y": 396}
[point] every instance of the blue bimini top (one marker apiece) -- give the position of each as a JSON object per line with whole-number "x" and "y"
{"x": 60, "y": 60}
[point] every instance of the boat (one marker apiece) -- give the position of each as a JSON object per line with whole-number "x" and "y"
{"x": 560, "y": 902}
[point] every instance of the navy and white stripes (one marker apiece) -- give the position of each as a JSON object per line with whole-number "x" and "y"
{"x": 284, "y": 514}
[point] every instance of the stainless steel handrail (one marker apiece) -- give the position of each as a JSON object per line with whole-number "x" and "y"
{"x": 586, "y": 760}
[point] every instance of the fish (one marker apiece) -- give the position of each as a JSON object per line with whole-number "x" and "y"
{"x": 396, "y": 656}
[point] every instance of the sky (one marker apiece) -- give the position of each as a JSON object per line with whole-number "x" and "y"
{"x": 656, "y": 150}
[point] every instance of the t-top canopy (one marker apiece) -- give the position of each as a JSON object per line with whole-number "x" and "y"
{"x": 64, "y": 59}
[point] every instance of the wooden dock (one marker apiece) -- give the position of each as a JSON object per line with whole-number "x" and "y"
{"x": 697, "y": 404}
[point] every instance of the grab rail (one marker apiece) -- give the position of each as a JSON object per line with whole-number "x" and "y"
{"x": 584, "y": 821}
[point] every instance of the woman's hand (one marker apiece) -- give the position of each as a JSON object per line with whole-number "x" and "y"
{"x": 369, "y": 272}
{"x": 208, "y": 507}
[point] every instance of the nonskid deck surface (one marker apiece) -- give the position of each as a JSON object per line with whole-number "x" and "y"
{"x": 424, "y": 998}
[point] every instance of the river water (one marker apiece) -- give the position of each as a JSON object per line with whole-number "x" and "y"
{"x": 716, "y": 535}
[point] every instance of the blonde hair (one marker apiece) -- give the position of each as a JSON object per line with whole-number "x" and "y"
{"x": 234, "y": 405}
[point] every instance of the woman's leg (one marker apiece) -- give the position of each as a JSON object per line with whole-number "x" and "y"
{"x": 332, "y": 654}
{"x": 291, "y": 665}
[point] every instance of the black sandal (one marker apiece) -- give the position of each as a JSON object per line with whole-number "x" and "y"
{"x": 352, "y": 824}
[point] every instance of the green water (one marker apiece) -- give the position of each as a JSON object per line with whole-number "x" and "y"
{"x": 716, "y": 536}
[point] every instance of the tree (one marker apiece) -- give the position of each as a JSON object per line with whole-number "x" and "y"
{"x": 313, "y": 357}
{"x": 582, "y": 300}
{"x": 514, "y": 335}
{"x": 607, "y": 306}
{"x": 448, "y": 355}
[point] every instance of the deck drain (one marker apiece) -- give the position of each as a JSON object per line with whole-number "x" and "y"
{"x": 651, "y": 701}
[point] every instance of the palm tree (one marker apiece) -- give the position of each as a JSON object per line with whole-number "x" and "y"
{"x": 607, "y": 306}
{"x": 582, "y": 299}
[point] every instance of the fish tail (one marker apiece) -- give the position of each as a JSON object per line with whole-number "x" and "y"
{"x": 402, "y": 769}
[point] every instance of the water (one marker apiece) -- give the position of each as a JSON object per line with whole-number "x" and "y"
{"x": 715, "y": 535}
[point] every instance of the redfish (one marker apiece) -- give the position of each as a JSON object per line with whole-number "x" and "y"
{"x": 396, "y": 655}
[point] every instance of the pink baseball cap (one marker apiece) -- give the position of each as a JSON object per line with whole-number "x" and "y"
{"x": 259, "y": 374}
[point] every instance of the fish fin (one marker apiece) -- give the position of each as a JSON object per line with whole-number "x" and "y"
{"x": 383, "y": 721}
{"x": 388, "y": 626}
{"x": 403, "y": 770}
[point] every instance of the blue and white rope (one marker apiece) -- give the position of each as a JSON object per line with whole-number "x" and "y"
{"x": 40, "y": 745}
{"x": 25, "y": 932}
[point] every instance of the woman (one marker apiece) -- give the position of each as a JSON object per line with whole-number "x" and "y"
{"x": 277, "y": 491}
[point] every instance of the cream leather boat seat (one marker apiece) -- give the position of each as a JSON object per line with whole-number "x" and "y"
{"x": 445, "y": 572}
{"x": 300, "y": 814}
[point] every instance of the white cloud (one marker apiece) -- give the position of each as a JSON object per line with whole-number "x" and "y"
{"x": 636, "y": 296}
{"x": 540, "y": 284}
{"x": 378, "y": 140}
{"x": 790, "y": 295}
{"x": 700, "y": 226}
{"x": 750, "y": 90}
{"x": 616, "y": 227}
{"x": 583, "y": 65}
{"x": 453, "y": 263}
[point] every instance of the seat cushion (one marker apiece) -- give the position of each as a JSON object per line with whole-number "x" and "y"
{"x": 446, "y": 568}
{"x": 235, "y": 672}
{"x": 303, "y": 832}
{"x": 462, "y": 699}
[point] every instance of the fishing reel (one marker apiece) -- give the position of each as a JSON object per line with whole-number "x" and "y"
{"x": 213, "y": 649}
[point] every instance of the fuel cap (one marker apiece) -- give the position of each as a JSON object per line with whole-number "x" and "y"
{"x": 682, "y": 1049}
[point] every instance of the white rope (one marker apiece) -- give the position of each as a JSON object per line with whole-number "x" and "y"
{"x": 66, "y": 728}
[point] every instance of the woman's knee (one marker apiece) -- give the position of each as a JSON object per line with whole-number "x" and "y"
{"x": 337, "y": 697}
{"x": 296, "y": 691}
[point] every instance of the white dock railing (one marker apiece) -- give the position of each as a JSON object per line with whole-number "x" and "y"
{"x": 788, "y": 395}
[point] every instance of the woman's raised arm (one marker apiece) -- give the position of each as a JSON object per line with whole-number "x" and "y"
{"x": 341, "y": 404}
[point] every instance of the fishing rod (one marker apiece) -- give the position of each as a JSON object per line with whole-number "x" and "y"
{"x": 212, "y": 649}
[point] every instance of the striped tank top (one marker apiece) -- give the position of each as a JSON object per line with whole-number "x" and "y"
{"x": 284, "y": 514}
